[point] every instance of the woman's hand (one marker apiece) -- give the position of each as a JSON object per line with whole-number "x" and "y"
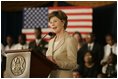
{"x": 76, "y": 75}
{"x": 51, "y": 59}
{"x": 104, "y": 63}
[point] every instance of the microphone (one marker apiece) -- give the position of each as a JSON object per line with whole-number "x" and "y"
{"x": 52, "y": 34}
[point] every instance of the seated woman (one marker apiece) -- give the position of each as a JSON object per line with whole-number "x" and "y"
{"x": 89, "y": 69}
{"x": 110, "y": 69}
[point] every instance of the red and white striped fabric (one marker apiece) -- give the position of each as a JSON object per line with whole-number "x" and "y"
{"x": 79, "y": 19}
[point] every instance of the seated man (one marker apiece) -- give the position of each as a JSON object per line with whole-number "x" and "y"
{"x": 110, "y": 47}
{"x": 38, "y": 45}
{"x": 21, "y": 42}
{"x": 110, "y": 69}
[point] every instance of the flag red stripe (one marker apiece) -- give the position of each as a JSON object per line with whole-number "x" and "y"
{"x": 87, "y": 13}
{"x": 70, "y": 7}
{"x": 79, "y": 27}
{"x": 80, "y": 20}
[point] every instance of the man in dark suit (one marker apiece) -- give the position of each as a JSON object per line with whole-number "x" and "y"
{"x": 90, "y": 45}
{"x": 38, "y": 45}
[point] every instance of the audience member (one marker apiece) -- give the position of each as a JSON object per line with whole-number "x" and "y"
{"x": 3, "y": 60}
{"x": 109, "y": 48}
{"x": 110, "y": 69}
{"x": 2, "y": 50}
{"x": 89, "y": 69}
{"x": 91, "y": 46}
{"x": 38, "y": 45}
{"x": 10, "y": 43}
{"x": 22, "y": 42}
{"x": 79, "y": 38}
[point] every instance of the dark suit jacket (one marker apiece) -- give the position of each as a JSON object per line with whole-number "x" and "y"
{"x": 40, "y": 48}
{"x": 97, "y": 50}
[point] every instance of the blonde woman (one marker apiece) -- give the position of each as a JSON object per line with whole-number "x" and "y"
{"x": 62, "y": 49}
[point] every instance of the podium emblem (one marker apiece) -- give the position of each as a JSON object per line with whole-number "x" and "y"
{"x": 18, "y": 65}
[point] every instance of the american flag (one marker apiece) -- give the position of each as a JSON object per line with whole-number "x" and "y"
{"x": 79, "y": 19}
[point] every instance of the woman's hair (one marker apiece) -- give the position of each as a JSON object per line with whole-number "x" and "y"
{"x": 59, "y": 14}
{"x": 78, "y": 34}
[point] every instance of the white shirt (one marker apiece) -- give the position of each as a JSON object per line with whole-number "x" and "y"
{"x": 19, "y": 46}
{"x": 91, "y": 45}
{"x": 11, "y": 48}
{"x": 38, "y": 41}
{"x": 107, "y": 51}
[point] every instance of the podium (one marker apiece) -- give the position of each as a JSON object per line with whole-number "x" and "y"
{"x": 40, "y": 65}
{"x": 27, "y": 64}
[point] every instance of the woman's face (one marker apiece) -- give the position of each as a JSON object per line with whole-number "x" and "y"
{"x": 76, "y": 36}
{"x": 56, "y": 24}
{"x": 88, "y": 57}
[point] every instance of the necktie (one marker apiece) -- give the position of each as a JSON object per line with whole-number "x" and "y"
{"x": 89, "y": 47}
{"x": 111, "y": 51}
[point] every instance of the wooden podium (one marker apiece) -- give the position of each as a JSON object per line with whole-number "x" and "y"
{"x": 39, "y": 66}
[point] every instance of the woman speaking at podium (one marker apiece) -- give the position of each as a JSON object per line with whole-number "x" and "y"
{"x": 62, "y": 49}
